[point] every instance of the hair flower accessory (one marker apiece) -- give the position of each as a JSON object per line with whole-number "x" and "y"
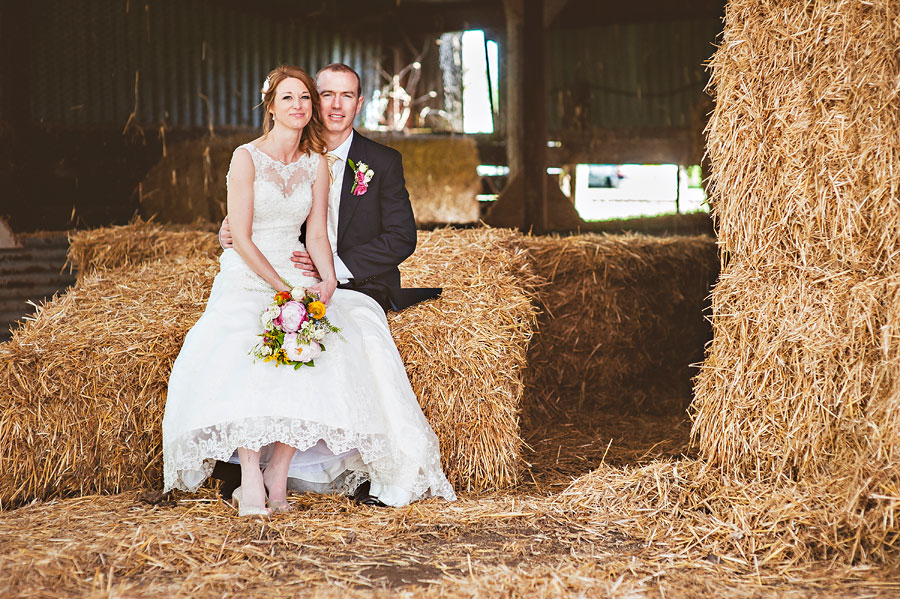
{"x": 362, "y": 174}
{"x": 265, "y": 88}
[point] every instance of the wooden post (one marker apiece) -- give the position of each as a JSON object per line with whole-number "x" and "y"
{"x": 533, "y": 93}
{"x": 512, "y": 66}
{"x": 525, "y": 201}
{"x": 677, "y": 189}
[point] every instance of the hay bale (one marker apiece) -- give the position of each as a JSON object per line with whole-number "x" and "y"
{"x": 188, "y": 182}
{"x": 83, "y": 384}
{"x": 805, "y": 137}
{"x": 441, "y": 177}
{"x": 138, "y": 242}
{"x": 801, "y": 384}
{"x": 622, "y": 320}
{"x": 86, "y": 399}
{"x": 466, "y": 353}
{"x": 799, "y": 371}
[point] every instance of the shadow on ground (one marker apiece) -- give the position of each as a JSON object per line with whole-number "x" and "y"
{"x": 568, "y": 444}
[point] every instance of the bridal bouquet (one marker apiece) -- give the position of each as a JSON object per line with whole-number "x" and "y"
{"x": 294, "y": 326}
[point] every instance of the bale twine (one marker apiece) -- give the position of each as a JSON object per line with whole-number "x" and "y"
{"x": 188, "y": 183}
{"x": 441, "y": 177}
{"x": 621, "y": 323}
{"x": 83, "y": 385}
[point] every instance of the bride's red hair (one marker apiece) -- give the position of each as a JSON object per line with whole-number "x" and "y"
{"x": 311, "y": 138}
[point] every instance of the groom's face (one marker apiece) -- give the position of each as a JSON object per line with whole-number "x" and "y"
{"x": 340, "y": 100}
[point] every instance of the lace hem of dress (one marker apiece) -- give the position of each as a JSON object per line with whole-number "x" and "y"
{"x": 198, "y": 451}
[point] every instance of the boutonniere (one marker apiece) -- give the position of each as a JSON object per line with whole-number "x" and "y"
{"x": 362, "y": 174}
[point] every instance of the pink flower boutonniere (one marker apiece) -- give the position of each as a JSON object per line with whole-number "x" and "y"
{"x": 362, "y": 174}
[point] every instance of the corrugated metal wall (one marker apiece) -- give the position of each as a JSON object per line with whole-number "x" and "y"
{"x": 629, "y": 75}
{"x": 185, "y": 62}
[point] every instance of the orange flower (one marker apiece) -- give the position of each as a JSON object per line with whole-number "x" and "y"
{"x": 316, "y": 310}
{"x": 282, "y": 296}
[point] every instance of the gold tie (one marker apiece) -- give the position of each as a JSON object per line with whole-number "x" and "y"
{"x": 331, "y": 158}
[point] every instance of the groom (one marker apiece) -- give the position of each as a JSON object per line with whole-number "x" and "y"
{"x": 370, "y": 219}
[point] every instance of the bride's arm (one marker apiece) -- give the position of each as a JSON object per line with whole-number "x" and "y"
{"x": 317, "y": 243}
{"x": 240, "y": 217}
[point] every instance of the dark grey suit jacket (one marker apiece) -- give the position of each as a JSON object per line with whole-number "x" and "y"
{"x": 377, "y": 230}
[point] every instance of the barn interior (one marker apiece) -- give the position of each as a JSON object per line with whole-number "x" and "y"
{"x": 588, "y": 409}
{"x": 113, "y": 110}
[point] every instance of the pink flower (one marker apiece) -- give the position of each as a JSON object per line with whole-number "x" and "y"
{"x": 290, "y": 347}
{"x": 293, "y": 314}
{"x": 360, "y": 189}
{"x": 311, "y": 351}
{"x": 300, "y": 353}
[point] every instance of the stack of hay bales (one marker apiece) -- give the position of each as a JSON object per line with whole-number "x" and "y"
{"x": 441, "y": 177}
{"x": 141, "y": 241}
{"x": 188, "y": 183}
{"x": 82, "y": 387}
{"x": 802, "y": 381}
{"x": 622, "y": 321}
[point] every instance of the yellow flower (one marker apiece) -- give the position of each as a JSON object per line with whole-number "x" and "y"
{"x": 316, "y": 310}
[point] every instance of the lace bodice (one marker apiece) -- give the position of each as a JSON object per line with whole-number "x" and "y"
{"x": 282, "y": 198}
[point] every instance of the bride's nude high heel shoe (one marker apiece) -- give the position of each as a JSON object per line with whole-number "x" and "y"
{"x": 245, "y": 509}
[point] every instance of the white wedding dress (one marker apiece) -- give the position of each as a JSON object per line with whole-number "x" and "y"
{"x": 352, "y": 417}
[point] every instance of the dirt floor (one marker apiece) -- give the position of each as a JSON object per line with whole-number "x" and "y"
{"x": 520, "y": 543}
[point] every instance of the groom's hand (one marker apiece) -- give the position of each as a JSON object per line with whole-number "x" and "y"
{"x": 225, "y": 239}
{"x": 302, "y": 261}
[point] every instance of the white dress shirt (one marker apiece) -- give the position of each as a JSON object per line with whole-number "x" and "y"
{"x": 334, "y": 203}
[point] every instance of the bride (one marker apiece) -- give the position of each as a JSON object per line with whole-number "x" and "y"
{"x": 353, "y": 417}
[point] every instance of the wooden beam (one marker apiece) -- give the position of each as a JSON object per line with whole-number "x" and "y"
{"x": 591, "y": 13}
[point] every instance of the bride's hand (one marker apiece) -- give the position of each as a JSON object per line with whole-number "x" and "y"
{"x": 325, "y": 289}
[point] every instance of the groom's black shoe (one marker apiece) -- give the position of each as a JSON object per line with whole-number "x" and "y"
{"x": 230, "y": 475}
{"x": 361, "y": 496}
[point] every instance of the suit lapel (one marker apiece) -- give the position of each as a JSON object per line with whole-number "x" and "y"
{"x": 349, "y": 202}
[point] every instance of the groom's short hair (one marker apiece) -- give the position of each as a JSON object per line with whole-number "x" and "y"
{"x": 339, "y": 67}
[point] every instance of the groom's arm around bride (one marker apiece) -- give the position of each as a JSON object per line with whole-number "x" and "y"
{"x": 371, "y": 225}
